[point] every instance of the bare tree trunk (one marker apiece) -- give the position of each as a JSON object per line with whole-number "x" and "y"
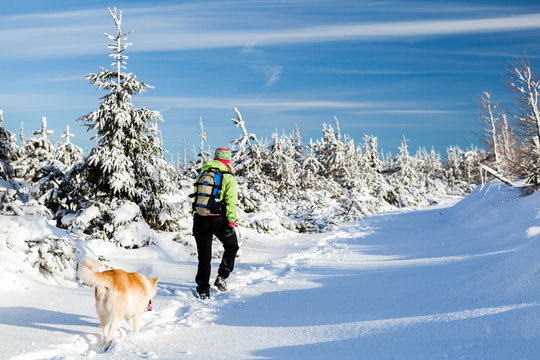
{"x": 505, "y": 136}
{"x": 489, "y": 119}
{"x": 526, "y": 84}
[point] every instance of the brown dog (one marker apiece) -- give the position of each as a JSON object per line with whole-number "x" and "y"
{"x": 118, "y": 295}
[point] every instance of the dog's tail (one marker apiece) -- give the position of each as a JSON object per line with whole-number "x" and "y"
{"x": 88, "y": 271}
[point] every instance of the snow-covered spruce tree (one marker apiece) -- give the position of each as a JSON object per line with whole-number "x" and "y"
{"x": 126, "y": 165}
{"x": 429, "y": 165}
{"x": 247, "y": 151}
{"x": 373, "y": 168}
{"x": 285, "y": 162}
{"x": 339, "y": 156}
{"x": 15, "y": 196}
{"x": 22, "y": 136}
{"x": 247, "y": 163}
{"x": 200, "y": 156}
{"x": 461, "y": 169}
{"x": 371, "y": 152}
{"x": 47, "y": 252}
{"x": 54, "y": 187}
{"x": 282, "y": 167}
{"x": 36, "y": 153}
{"x": 311, "y": 166}
{"x": 8, "y": 149}
{"x": 452, "y": 166}
{"x": 402, "y": 177}
{"x": 431, "y": 175}
{"x": 67, "y": 154}
{"x": 297, "y": 146}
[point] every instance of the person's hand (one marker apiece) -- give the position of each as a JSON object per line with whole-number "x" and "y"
{"x": 229, "y": 230}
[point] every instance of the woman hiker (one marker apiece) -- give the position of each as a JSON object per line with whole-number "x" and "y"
{"x": 214, "y": 213}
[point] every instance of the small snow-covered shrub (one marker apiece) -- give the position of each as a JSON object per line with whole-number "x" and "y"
{"x": 56, "y": 256}
{"x": 120, "y": 222}
{"x": 29, "y": 242}
{"x": 16, "y": 199}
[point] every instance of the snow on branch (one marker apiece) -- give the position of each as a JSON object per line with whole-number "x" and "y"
{"x": 497, "y": 175}
{"x": 43, "y": 131}
{"x": 67, "y": 135}
{"x": 203, "y": 139}
{"x": 246, "y": 137}
{"x": 119, "y": 46}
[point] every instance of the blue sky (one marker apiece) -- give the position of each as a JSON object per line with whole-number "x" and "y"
{"x": 384, "y": 68}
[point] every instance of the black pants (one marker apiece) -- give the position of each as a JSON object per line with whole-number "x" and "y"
{"x": 204, "y": 227}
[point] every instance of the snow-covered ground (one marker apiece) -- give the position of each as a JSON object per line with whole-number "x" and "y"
{"x": 460, "y": 281}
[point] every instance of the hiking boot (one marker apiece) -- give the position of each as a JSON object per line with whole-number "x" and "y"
{"x": 220, "y": 283}
{"x": 204, "y": 294}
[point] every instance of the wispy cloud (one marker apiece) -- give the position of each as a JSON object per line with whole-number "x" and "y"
{"x": 345, "y": 71}
{"x": 169, "y": 28}
{"x": 410, "y": 111}
{"x": 273, "y": 74}
{"x": 292, "y": 104}
{"x": 229, "y": 103}
{"x": 327, "y": 33}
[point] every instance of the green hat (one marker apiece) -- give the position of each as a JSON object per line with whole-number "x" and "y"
{"x": 223, "y": 155}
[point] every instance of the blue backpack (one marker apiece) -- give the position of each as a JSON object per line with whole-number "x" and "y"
{"x": 208, "y": 191}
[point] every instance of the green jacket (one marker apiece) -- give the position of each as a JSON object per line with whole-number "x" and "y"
{"x": 229, "y": 193}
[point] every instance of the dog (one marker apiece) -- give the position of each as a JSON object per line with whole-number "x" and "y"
{"x": 118, "y": 294}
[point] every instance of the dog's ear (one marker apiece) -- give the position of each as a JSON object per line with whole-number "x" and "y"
{"x": 155, "y": 280}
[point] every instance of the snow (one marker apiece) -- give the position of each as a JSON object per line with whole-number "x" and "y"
{"x": 455, "y": 281}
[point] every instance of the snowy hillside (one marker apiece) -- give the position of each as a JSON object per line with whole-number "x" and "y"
{"x": 455, "y": 281}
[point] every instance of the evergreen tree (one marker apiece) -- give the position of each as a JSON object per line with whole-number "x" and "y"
{"x": 311, "y": 166}
{"x": 372, "y": 168}
{"x": 282, "y": 165}
{"x": 247, "y": 156}
{"x": 200, "y": 156}
{"x": 429, "y": 164}
{"x": 8, "y": 149}
{"x": 461, "y": 168}
{"x": 36, "y": 153}
{"x": 338, "y": 154}
{"x": 371, "y": 152}
{"x": 125, "y": 163}
{"x": 22, "y": 137}
{"x": 16, "y": 197}
{"x": 67, "y": 154}
{"x": 402, "y": 177}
